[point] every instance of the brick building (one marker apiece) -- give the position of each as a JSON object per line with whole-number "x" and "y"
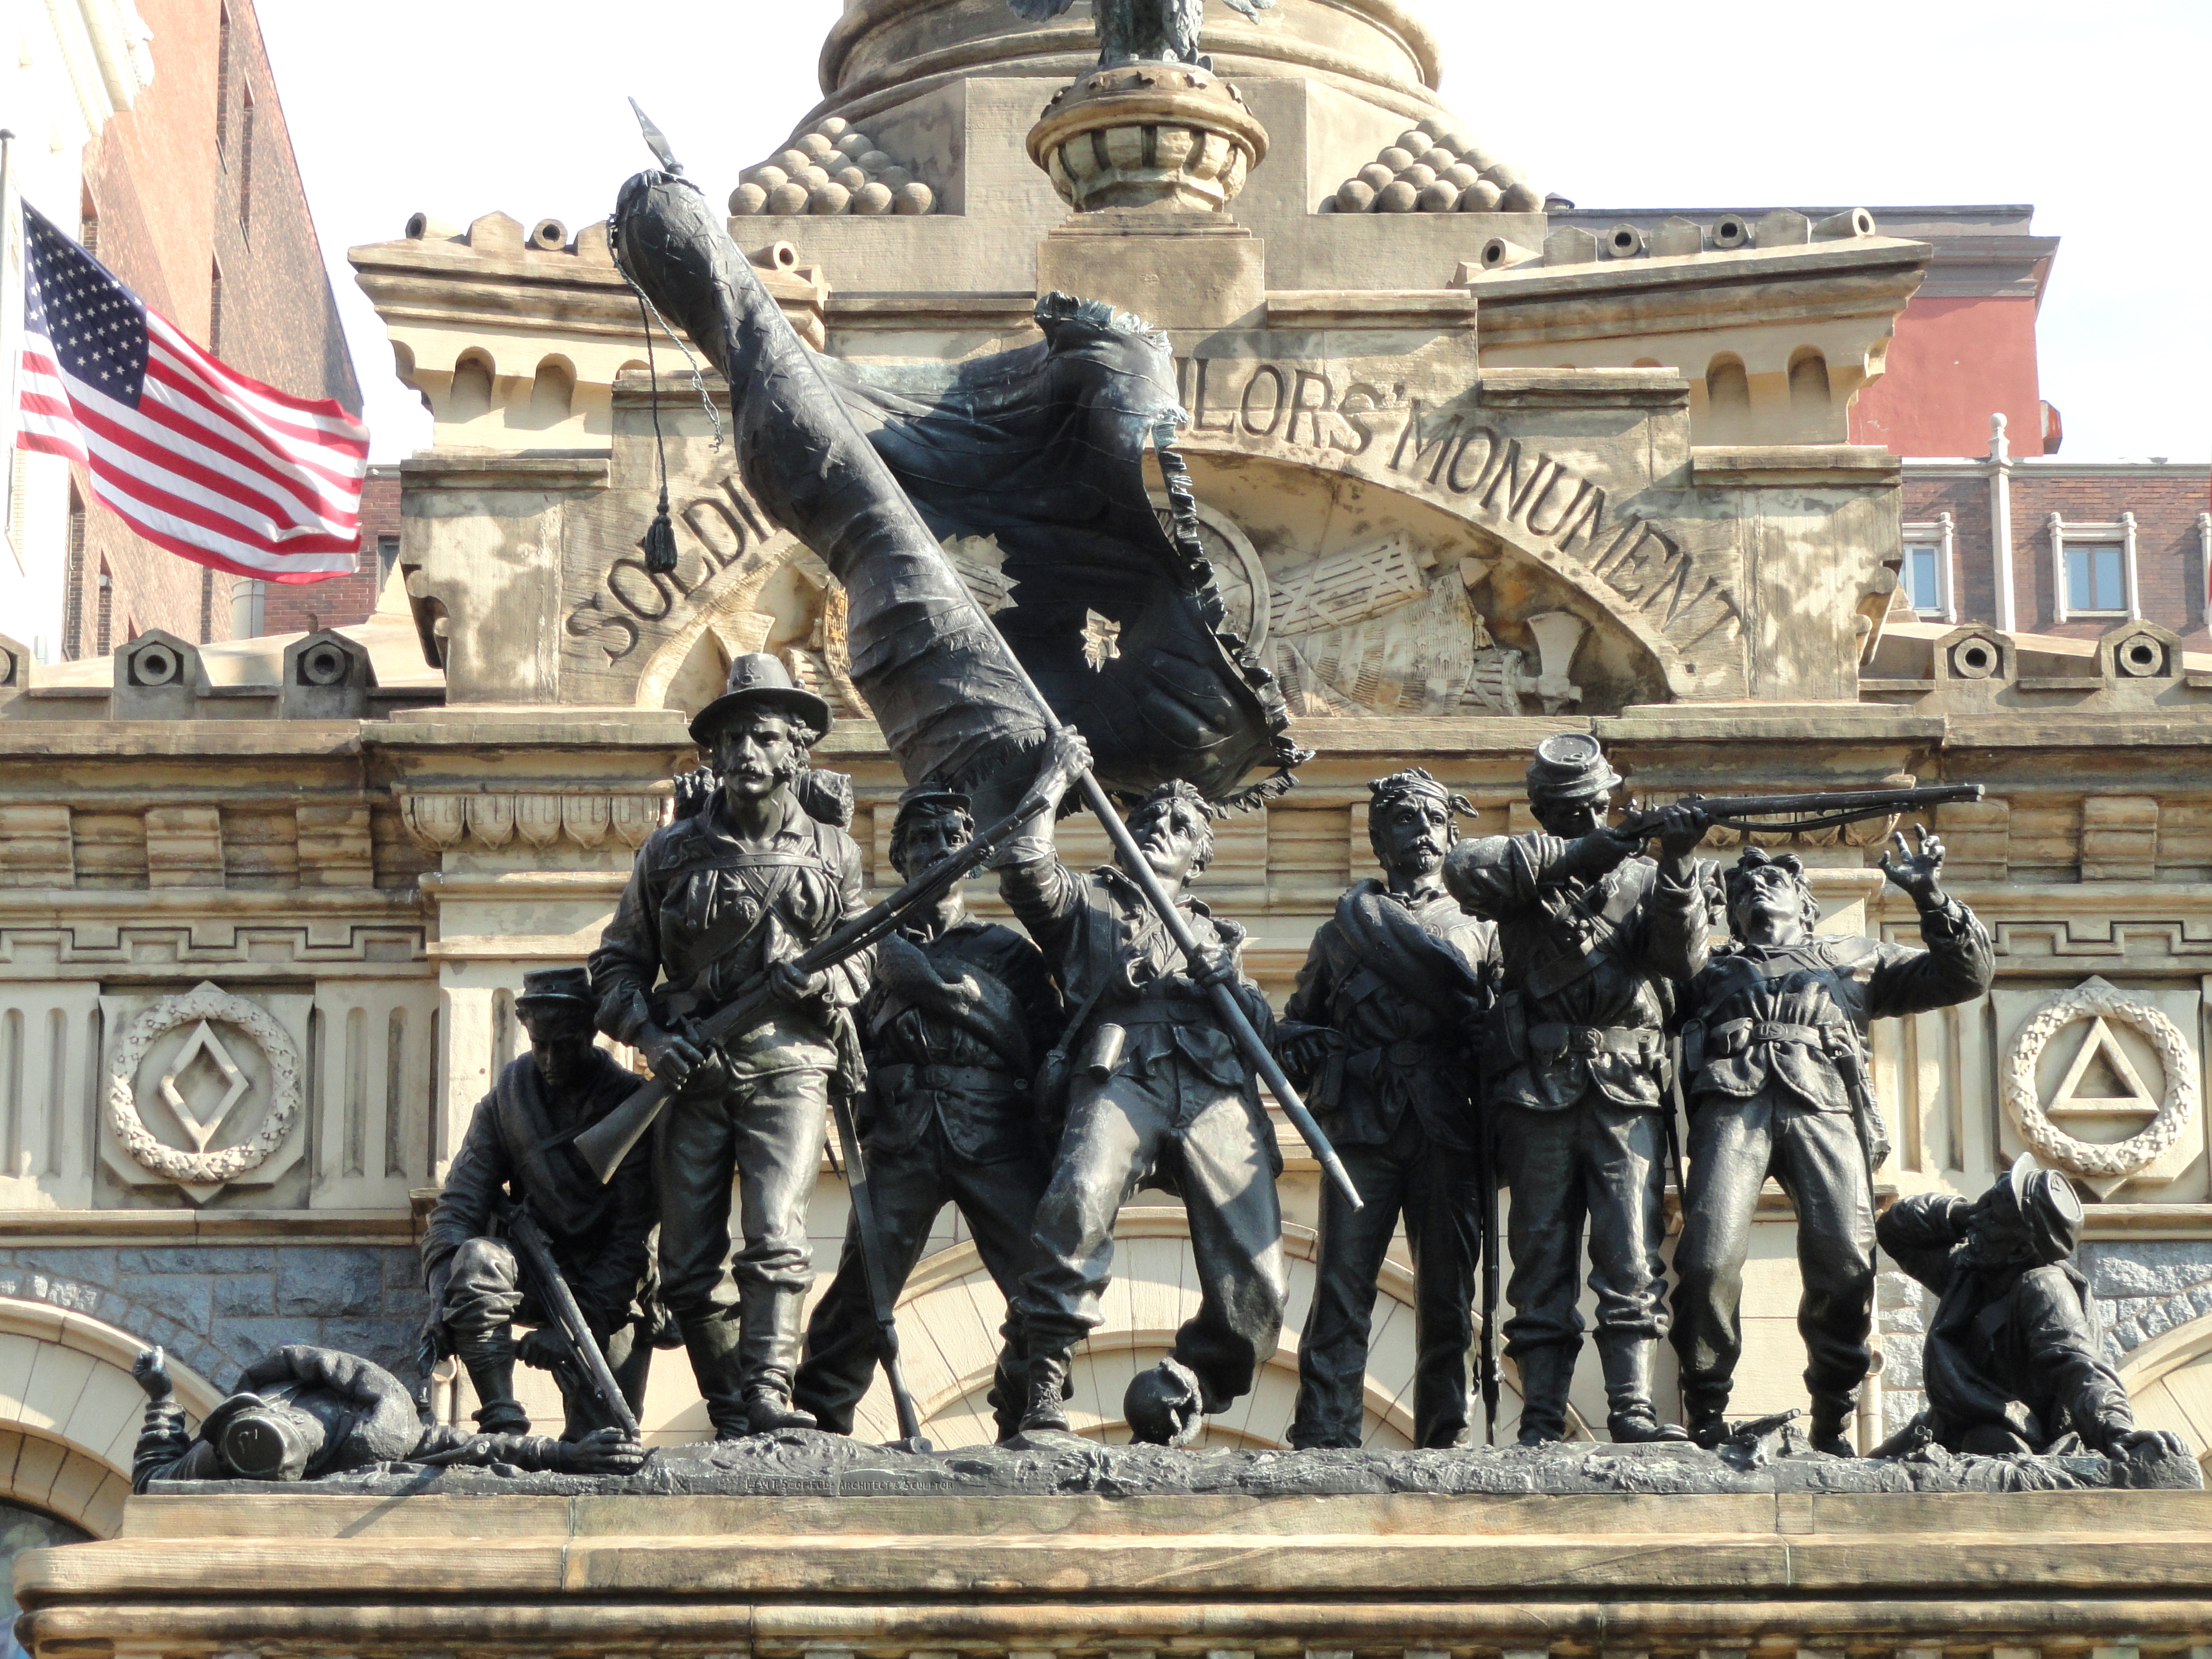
{"x": 192, "y": 197}
{"x": 302, "y": 607}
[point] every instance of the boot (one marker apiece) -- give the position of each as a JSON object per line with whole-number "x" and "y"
{"x": 1546, "y": 1374}
{"x": 1708, "y": 1426}
{"x": 1046, "y": 1388}
{"x": 1630, "y": 1418}
{"x": 770, "y": 1318}
{"x": 1832, "y": 1419}
{"x": 712, "y": 1342}
{"x": 489, "y": 1358}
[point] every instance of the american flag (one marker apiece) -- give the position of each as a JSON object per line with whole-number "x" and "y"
{"x": 195, "y": 456}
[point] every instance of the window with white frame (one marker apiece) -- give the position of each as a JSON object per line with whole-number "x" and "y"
{"x": 1924, "y": 572}
{"x": 2093, "y": 569}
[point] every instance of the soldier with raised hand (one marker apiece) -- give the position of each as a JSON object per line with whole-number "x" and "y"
{"x": 959, "y": 1014}
{"x": 1159, "y": 1092}
{"x": 600, "y": 1235}
{"x": 1379, "y": 1035}
{"x": 718, "y": 903}
{"x": 1577, "y": 1069}
{"x": 1776, "y": 1061}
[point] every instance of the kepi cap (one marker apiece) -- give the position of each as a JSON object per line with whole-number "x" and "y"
{"x": 550, "y": 987}
{"x": 1570, "y": 765}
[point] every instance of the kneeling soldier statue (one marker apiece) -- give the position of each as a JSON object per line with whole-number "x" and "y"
{"x": 1380, "y": 1035}
{"x": 1775, "y": 1052}
{"x": 1577, "y": 1072}
{"x": 959, "y": 1014}
{"x": 1159, "y": 1092}
{"x": 720, "y": 903}
{"x": 2014, "y": 1359}
{"x": 514, "y": 1154}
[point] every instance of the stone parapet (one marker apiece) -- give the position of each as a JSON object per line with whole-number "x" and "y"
{"x": 2119, "y": 1572}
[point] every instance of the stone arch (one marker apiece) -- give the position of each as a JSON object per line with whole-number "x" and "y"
{"x": 552, "y": 392}
{"x": 2169, "y": 1380}
{"x": 470, "y": 392}
{"x": 70, "y": 1412}
{"x": 949, "y": 1313}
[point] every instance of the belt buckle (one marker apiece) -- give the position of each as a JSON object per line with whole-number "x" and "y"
{"x": 1585, "y": 1040}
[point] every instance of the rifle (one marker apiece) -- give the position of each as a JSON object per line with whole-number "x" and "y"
{"x": 879, "y": 1292}
{"x": 1492, "y": 1276}
{"x": 1792, "y": 814}
{"x": 605, "y": 1144}
{"x": 585, "y": 1367}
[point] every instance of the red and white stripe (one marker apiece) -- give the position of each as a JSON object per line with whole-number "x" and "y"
{"x": 211, "y": 465}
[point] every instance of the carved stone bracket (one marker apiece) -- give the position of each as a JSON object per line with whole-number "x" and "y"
{"x": 200, "y": 1169}
{"x": 2103, "y": 1166}
{"x": 438, "y": 821}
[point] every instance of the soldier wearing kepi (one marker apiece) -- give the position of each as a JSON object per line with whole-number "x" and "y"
{"x": 2014, "y": 1359}
{"x": 718, "y": 903}
{"x": 1159, "y": 1092}
{"x": 1379, "y": 1035}
{"x": 1774, "y": 1056}
{"x": 1577, "y": 1069}
{"x": 959, "y": 1014}
{"x": 600, "y": 1235}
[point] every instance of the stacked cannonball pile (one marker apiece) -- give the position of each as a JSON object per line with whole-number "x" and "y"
{"x": 1435, "y": 168}
{"x": 835, "y": 168}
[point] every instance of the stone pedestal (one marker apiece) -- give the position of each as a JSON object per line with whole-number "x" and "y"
{"x": 292, "y": 1571}
{"x": 1163, "y": 136}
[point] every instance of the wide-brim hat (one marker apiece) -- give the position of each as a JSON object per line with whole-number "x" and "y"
{"x": 1570, "y": 765}
{"x": 554, "y": 988}
{"x": 759, "y": 680}
{"x": 2049, "y": 1209}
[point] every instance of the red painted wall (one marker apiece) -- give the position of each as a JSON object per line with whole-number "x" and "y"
{"x": 1954, "y": 363}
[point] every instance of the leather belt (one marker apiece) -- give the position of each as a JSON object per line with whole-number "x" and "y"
{"x": 1407, "y": 1053}
{"x": 1749, "y": 1031}
{"x": 1633, "y": 1040}
{"x": 897, "y": 1079}
{"x": 1159, "y": 1011}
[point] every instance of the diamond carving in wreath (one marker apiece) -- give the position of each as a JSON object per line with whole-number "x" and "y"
{"x": 206, "y": 1004}
{"x": 2104, "y": 1166}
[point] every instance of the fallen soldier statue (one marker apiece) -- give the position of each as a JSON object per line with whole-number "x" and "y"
{"x": 302, "y": 1413}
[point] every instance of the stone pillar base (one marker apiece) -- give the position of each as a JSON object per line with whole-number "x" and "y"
{"x": 1163, "y": 136}
{"x": 277, "y": 1571}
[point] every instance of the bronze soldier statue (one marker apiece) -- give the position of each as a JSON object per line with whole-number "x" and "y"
{"x": 1577, "y": 1070}
{"x": 959, "y": 1014}
{"x": 1775, "y": 1059}
{"x": 302, "y": 1413}
{"x": 1379, "y": 1035}
{"x": 717, "y": 903}
{"x": 600, "y": 1235}
{"x": 2014, "y": 1360}
{"x": 1160, "y": 1093}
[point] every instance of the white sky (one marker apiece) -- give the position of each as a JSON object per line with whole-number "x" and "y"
{"x": 2095, "y": 114}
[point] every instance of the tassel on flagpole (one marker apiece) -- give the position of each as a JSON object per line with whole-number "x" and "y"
{"x": 661, "y": 540}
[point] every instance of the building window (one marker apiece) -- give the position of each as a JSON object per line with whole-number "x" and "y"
{"x": 73, "y": 600}
{"x": 245, "y": 162}
{"x": 88, "y": 224}
{"x": 222, "y": 85}
{"x": 207, "y": 604}
{"x": 214, "y": 309}
{"x": 387, "y": 555}
{"x": 103, "y": 636}
{"x": 1924, "y": 573}
{"x": 2093, "y": 567}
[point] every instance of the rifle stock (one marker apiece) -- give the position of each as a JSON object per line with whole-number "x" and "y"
{"x": 543, "y": 1273}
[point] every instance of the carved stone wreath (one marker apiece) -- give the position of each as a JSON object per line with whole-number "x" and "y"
{"x": 2177, "y": 1106}
{"x": 209, "y": 1002}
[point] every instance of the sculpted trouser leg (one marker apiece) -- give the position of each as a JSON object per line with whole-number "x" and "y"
{"x": 1623, "y": 1155}
{"x": 999, "y": 1200}
{"x": 778, "y": 1130}
{"x": 1226, "y": 1171}
{"x": 1731, "y": 1150}
{"x": 1820, "y": 1164}
{"x": 483, "y": 1295}
{"x": 1113, "y": 1130}
{"x": 694, "y": 1162}
{"x": 1443, "y": 1221}
{"x": 1333, "y": 1348}
{"x": 1545, "y": 1230}
{"x": 842, "y": 1341}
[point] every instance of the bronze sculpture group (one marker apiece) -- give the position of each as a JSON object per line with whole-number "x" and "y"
{"x": 1528, "y": 1013}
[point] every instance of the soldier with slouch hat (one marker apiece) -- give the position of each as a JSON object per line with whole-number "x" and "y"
{"x": 1379, "y": 1035}
{"x": 718, "y": 903}
{"x": 1577, "y": 1070}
